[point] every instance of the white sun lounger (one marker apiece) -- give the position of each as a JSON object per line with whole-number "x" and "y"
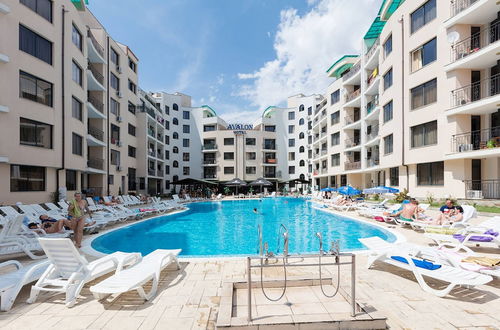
{"x": 12, "y": 282}
{"x": 469, "y": 213}
{"x": 383, "y": 251}
{"x": 135, "y": 277}
{"x": 13, "y": 239}
{"x": 69, "y": 270}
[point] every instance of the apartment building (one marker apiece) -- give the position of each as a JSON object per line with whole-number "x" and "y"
{"x": 66, "y": 86}
{"x": 419, "y": 109}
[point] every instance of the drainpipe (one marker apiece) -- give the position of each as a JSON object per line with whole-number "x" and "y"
{"x": 401, "y": 21}
{"x": 63, "y": 108}
{"x": 108, "y": 126}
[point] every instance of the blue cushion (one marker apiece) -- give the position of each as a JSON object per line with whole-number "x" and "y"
{"x": 419, "y": 263}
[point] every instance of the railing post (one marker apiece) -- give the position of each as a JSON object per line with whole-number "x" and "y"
{"x": 249, "y": 287}
{"x": 353, "y": 285}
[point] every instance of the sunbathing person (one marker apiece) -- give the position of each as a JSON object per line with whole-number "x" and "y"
{"x": 409, "y": 211}
{"x": 450, "y": 213}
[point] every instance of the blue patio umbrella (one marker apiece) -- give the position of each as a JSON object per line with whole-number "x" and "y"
{"x": 327, "y": 189}
{"x": 389, "y": 189}
{"x": 380, "y": 190}
{"x": 348, "y": 190}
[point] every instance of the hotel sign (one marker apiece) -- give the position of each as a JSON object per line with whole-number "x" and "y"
{"x": 240, "y": 128}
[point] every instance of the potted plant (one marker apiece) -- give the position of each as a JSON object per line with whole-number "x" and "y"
{"x": 227, "y": 190}
{"x": 490, "y": 144}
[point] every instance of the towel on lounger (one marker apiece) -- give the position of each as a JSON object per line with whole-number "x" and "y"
{"x": 490, "y": 232}
{"x": 419, "y": 263}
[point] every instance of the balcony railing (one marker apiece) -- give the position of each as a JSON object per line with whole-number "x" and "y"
{"x": 96, "y": 103}
{"x": 323, "y": 152}
{"x": 96, "y": 133}
{"x": 97, "y": 75}
{"x": 209, "y": 176}
{"x": 349, "y": 166}
{"x": 270, "y": 175}
{"x": 152, "y": 153}
{"x": 476, "y": 140}
{"x": 352, "y": 120}
{"x": 476, "y": 42}
{"x": 96, "y": 163}
{"x": 372, "y": 105}
{"x": 324, "y": 170}
{"x": 373, "y": 133}
{"x": 370, "y": 162}
{"x": 349, "y": 143}
{"x": 489, "y": 189}
{"x": 354, "y": 69}
{"x": 209, "y": 147}
{"x": 372, "y": 49}
{"x": 373, "y": 76}
{"x": 209, "y": 162}
{"x": 458, "y": 6}
{"x": 476, "y": 91}
{"x": 270, "y": 161}
{"x": 159, "y": 173}
{"x": 97, "y": 46}
{"x": 151, "y": 171}
{"x": 351, "y": 96}
{"x": 151, "y": 133}
{"x": 269, "y": 146}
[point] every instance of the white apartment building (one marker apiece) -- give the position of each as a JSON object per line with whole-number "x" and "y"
{"x": 419, "y": 109}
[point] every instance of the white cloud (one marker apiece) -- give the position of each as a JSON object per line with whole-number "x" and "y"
{"x": 305, "y": 47}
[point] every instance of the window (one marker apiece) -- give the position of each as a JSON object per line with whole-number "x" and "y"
{"x": 424, "y": 134}
{"x": 291, "y": 142}
{"x": 301, "y": 108}
{"x": 111, "y": 179}
{"x": 394, "y": 176}
{"x": 228, "y": 170}
{"x": 185, "y": 170}
{"x": 335, "y": 160}
{"x": 27, "y": 178}
{"x": 41, "y": 7}
{"x": 132, "y": 65}
{"x": 388, "y": 79}
{"x": 132, "y": 184}
{"x": 335, "y": 96}
{"x": 335, "y": 118}
{"x": 76, "y": 37}
{"x": 114, "y": 107}
{"x": 251, "y": 155}
{"x": 76, "y": 73}
{"x": 185, "y": 156}
{"x": 250, "y": 141}
{"x": 175, "y": 107}
{"x": 423, "y": 15}
{"x": 291, "y": 115}
{"x": 388, "y": 144}
{"x": 291, "y": 129}
{"x": 132, "y": 151}
{"x": 115, "y": 82}
{"x": 131, "y": 129}
{"x": 228, "y": 141}
{"x": 335, "y": 139}
{"x": 115, "y": 58}
{"x": 185, "y": 143}
{"x": 167, "y": 169}
{"x": 270, "y": 128}
{"x": 167, "y": 139}
{"x": 251, "y": 170}
{"x": 301, "y": 135}
{"x": 35, "y": 134}
{"x": 167, "y": 109}
{"x": 208, "y": 128}
{"x": 185, "y": 114}
{"x": 115, "y": 157}
{"x": 291, "y": 156}
{"x": 131, "y": 107}
{"x": 175, "y": 164}
{"x": 70, "y": 180}
{"x": 186, "y": 129}
{"x": 175, "y": 150}
{"x": 423, "y": 55}
{"x": 269, "y": 144}
{"x": 77, "y": 145}
{"x": 175, "y": 121}
{"x": 388, "y": 46}
{"x": 388, "y": 112}
{"x": 291, "y": 169}
{"x": 167, "y": 154}
{"x": 175, "y": 136}
{"x": 424, "y": 94}
{"x": 302, "y": 163}
{"x": 301, "y": 149}
{"x": 35, "y": 89}
{"x": 132, "y": 87}
{"x": 229, "y": 155}
{"x": 76, "y": 108}
{"x": 301, "y": 121}
{"x": 430, "y": 174}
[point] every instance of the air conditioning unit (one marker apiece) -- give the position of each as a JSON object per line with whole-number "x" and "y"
{"x": 119, "y": 94}
{"x": 118, "y": 168}
{"x": 119, "y": 144}
{"x": 119, "y": 119}
{"x": 474, "y": 194}
{"x": 119, "y": 69}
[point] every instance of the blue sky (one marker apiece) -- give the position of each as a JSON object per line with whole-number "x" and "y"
{"x": 238, "y": 56}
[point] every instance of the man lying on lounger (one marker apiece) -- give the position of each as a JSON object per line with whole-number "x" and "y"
{"x": 409, "y": 211}
{"x": 450, "y": 213}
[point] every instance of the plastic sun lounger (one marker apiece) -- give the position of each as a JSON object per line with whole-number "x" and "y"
{"x": 13, "y": 239}
{"x": 12, "y": 282}
{"x": 69, "y": 271}
{"x": 409, "y": 256}
{"x": 135, "y": 277}
{"x": 469, "y": 213}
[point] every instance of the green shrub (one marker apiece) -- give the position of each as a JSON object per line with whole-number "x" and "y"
{"x": 401, "y": 196}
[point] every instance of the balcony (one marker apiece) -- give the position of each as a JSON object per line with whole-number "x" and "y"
{"x": 210, "y": 162}
{"x": 477, "y": 98}
{"x": 479, "y": 189}
{"x": 350, "y": 166}
{"x": 372, "y": 105}
{"x": 372, "y": 134}
{"x": 95, "y": 137}
{"x": 371, "y": 56}
{"x": 152, "y": 153}
{"x": 151, "y": 172}
{"x": 352, "y": 143}
{"x": 95, "y": 80}
{"x": 151, "y": 133}
{"x": 270, "y": 161}
{"x": 209, "y": 147}
{"x": 270, "y": 175}
{"x": 210, "y": 176}
{"x": 482, "y": 143}
{"x": 352, "y": 96}
{"x": 95, "y": 50}
{"x": 355, "y": 69}
{"x": 95, "y": 163}
{"x": 269, "y": 146}
{"x": 478, "y": 51}
{"x": 373, "y": 82}
{"x": 458, "y": 6}
{"x": 351, "y": 120}
{"x": 95, "y": 108}
{"x": 324, "y": 170}
{"x": 371, "y": 162}
{"x": 159, "y": 173}
{"x": 471, "y": 12}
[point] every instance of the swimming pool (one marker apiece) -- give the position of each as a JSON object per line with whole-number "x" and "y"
{"x": 229, "y": 228}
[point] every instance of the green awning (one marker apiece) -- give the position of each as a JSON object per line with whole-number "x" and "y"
{"x": 211, "y": 112}
{"x": 342, "y": 65}
{"x": 80, "y": 4}
{"x": 375, "y": 29}
{"x": 268, "y": 112}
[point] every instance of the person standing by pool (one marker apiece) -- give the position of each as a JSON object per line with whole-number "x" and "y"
{"x": 77, "y": 210}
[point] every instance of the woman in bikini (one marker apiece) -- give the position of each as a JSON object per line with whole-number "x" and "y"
{"x": 77, "y": 211}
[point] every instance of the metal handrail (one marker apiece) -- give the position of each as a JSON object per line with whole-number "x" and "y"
{"x": 210, "y": 161}
{"x": 209, "y": 147}
{"x": 96, "y": 103}
{"x": 490, "y": 189}
{"x": 96, "y": 163}
{"x": 476, "y": 91}
{"x": 351, "y": 96}
{"x": 475, "y": 42}
{"x": 476, "y": 140}
{"x": 95, "y": 132}
{"x": 99, "y": 77}
{"x": 349, "y": 143}
{"x": 354, "y": 69}
{"x": 458, "y": 6}
{"x": 352, "y": 166}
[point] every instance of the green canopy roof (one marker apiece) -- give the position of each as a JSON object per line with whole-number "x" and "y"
{"x": 80, "y": 4}
{"x": 269, "y": 111}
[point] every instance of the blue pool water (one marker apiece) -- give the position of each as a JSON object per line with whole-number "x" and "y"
{"x": 229, "y": 228}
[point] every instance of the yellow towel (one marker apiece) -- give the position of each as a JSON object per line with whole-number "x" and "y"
{"x": 483, "y": 261}
{"x": 445, "y": 231}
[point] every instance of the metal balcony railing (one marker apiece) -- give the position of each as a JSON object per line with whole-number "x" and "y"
{"x": 373, "y": 133}
{"x": 324, "y": 170}
{"x": 210, "y": 176}
{"x": 372, "y": 105}
{"x": 151, "y": 171}
{"x": 96, "y": 44}
{"x": 458, "y": 6}
{"x": 476, "y": 91}
{"x": 476, "y": 140}
{"x": 211, "y": 146}
{"x": 323, "y": 152}
{"x": 96, "y": 103}
{"x": 96, "y": 133}
{"x": 349, "y": 143}
{"x": 152, "y": 153}
{"x": 159, "y": 173}
{"x": 351, "y": 96}
{"x": 354, "y": 69}
{"x": 352, "y": 166}
{"x": 209, "y": 162}
{"x": 352, "y": 120}
{"x": 475, "y": 42}
{"x": 95, "y": 72}
{"x": 372, "y": 49}
{"x": 269, "y": 146}
{"x": 370, "y": 162}
{"x": 270, "y": 161}
{"x": 489, "y": 189}
{"x": 96, "y": 163}
{"x": 270, "y": 175}
{"x": 151, "y": 133}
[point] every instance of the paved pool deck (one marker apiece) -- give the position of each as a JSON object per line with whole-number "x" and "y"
{"x": 190, "y": 298}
